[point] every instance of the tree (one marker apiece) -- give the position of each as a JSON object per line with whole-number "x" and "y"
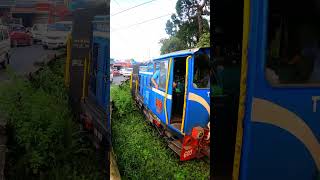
{"x": 204, "y": 40}
{"x": 190, "y": 10}
{"x": 188, "y": 32}
{"x": 172, "y": 44}
{"x": 172, "y": 25}
{"x": 187, "y": 25}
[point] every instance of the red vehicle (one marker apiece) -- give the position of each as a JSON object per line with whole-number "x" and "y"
{"x": 115, "y": 72}
{"x": 19, "y": 35}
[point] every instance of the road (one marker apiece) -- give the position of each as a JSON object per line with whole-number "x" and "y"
{"x": 23, "y": 59}
{"x": 117, "y": 80}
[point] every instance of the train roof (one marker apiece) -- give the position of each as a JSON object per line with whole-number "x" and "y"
{"x": 180, "y": 53}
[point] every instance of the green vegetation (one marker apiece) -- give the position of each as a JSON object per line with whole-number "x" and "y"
{"x": 187, "y": 25}
{"x": 171, "y": 45}
{"x": 44, "y": 142}
{"x": 204, "y": 40}
{"x": 140, "y": 152}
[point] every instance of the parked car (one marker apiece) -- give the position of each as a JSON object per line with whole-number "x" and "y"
{"x": 4, "y": 46}
{"x": 127, "y": 72}
{"x": 111, "y": 76}
{"x": 57, "y": 34}
{"x": 38, "y": 31}
{"x": 121, "y": 71}
{"x": 19, "y": 35}
{"x": 115, "y": 72}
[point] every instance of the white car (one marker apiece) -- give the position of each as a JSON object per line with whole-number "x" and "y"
{"x": 38, "y": 32}
{"x": 127, "y": 72}
{"x": 4, "y": 46}
{"x": 57, "y": 35}
{"x": 121, "y": 71}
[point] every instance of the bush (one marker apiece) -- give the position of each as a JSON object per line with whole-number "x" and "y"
{"x": 44, "y": 141}
{"x": 204, "y": 40}
{"x": 140, "y": 152}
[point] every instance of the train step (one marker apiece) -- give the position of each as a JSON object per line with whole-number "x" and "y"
{"x": 168, "y": 134}
{"x": 176, "y": 146}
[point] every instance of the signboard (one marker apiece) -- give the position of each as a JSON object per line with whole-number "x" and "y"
{"x": 81, "y": 43}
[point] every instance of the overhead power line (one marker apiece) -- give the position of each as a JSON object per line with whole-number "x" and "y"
{"x": 132, "y": 7}
{"x": 141, "y": 22}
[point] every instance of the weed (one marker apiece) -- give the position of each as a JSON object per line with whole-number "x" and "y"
{"x": 44, "y": 142}
{"x": 140, "y": 153}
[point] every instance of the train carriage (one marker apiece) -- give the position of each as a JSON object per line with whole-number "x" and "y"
{"x": 265, "y": 92}
{"x": 87, "y": 76}
{"x": 266, "y": 120}
{"x": 180, "y": 105}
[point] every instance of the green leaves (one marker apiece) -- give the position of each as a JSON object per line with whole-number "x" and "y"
{"x": 172, "y": 44}
{"x": 204, "y": 40}
{"x": 187, "y": 26}
{"x": 140, "y": 152}
{"x": 45, "y": 139}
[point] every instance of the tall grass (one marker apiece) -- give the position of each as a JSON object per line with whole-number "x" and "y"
{"x": 44, "y": 141}
{"x": 140, "y": 152}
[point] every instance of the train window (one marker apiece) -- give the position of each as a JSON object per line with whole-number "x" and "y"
{"x": 163, "y": 74}
{"x": 201, "y": 75}
{"x": 293, "y": 47}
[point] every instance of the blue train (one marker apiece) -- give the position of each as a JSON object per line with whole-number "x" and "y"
{"x": 87, "y": 70}
{"x": 179, "y": 102}
{"x": 87, "y": 75}
{"x": 96, "y": 110}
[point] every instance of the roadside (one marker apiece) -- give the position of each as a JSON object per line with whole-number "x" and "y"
{"x": 117, "y": 80}
{"x": 22, "y": 62}
{"x": 43, "y": 139}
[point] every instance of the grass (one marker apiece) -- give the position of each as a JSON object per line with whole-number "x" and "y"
{"x": 44, "y": 141}
{"x": 140, "y": 152}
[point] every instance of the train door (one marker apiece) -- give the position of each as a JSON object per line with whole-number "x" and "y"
{"x": 178, "y": 92}
{"x": 282, "y": 127}
{"x": 162, "y": 93}
{"x": 105, "y": 71}
{"x": 198, "y": 95}
{"x": 93, "y": 70}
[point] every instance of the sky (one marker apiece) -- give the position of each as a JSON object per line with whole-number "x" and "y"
{"x": 140, "y": 42}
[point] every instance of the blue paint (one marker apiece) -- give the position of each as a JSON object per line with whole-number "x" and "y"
{"x": 99, "y": 81}
{"x": 196, "y": 114}
{"x": 269, "y": 152}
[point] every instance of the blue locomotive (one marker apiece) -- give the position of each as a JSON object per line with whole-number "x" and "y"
{"x": 89, "y": 79}
{"x": 178, "y": 103}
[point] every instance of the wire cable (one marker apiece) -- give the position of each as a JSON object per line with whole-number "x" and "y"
{"x": 132, "y": 7}
{"x": 149, "y": 20}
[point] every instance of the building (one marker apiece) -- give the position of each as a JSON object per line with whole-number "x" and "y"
{"x": 35, "y": 11}
{"x": 42, "y": 11}
{"x": 5, "y": 7}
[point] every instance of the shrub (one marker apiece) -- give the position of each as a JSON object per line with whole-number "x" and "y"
{"x": 140, "y": 152}
{"x": 44, "y": 142}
